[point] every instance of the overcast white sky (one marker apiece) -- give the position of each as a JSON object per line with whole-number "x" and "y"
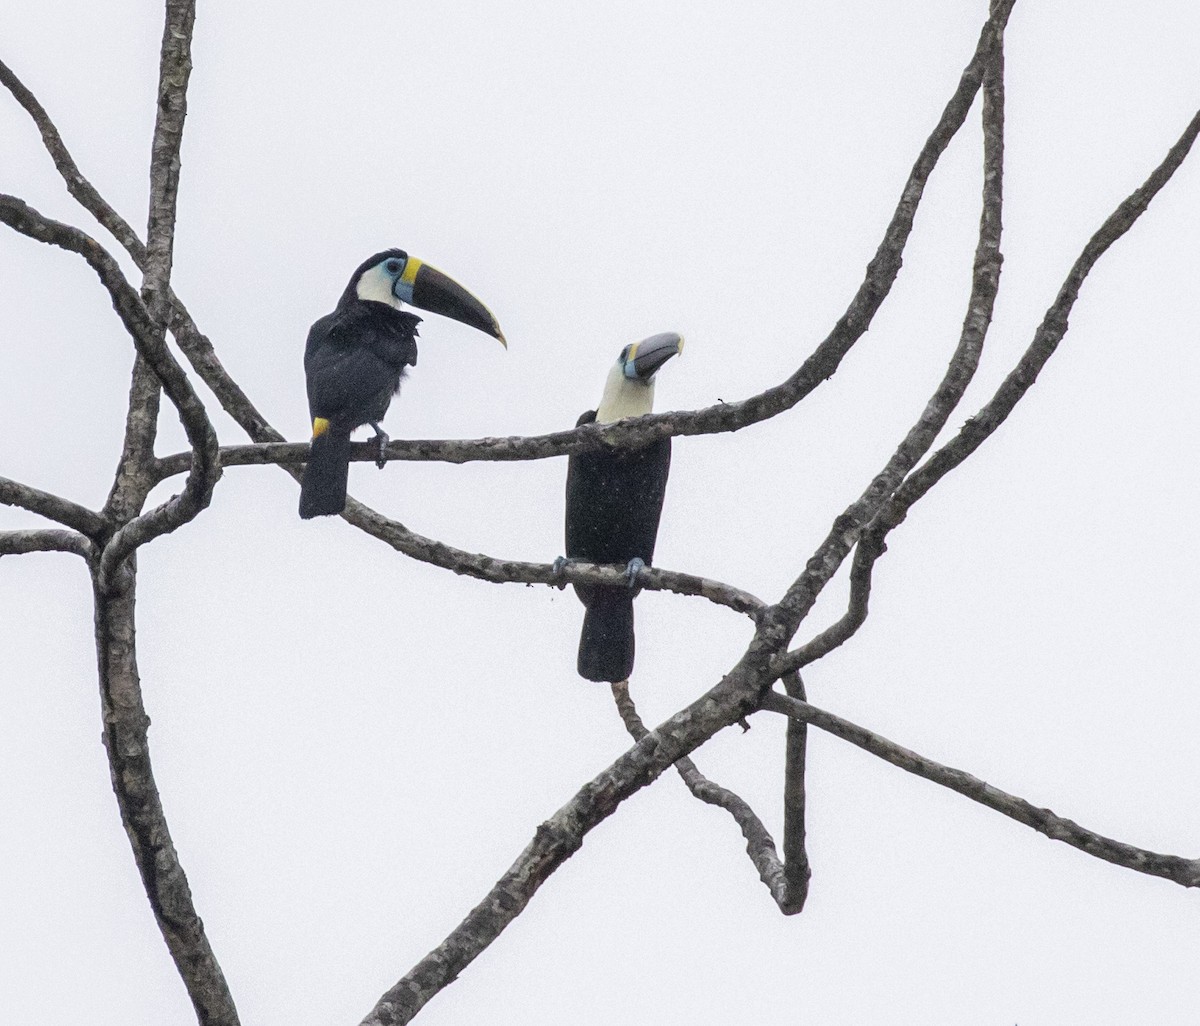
{"x": 352, "y": 746}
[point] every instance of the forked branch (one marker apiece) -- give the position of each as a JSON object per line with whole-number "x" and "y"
{"x": 760, "y": 845}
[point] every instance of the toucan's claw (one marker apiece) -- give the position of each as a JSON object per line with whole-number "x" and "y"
{"x": 381, "y": 437}
{"x": 557, "y": 568}
{"x": 634, "y": 567}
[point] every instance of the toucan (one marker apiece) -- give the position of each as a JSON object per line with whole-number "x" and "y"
{"x": 356, "y": 356}
{"x": 614, "y": 502}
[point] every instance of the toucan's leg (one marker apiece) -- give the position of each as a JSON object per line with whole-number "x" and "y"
{"x": 382, "y": 438}
{"x": 634, "y": 567}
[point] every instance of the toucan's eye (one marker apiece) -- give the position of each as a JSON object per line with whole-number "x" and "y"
{"x": 393, "y": 266}
{"x": 625, "y": 354}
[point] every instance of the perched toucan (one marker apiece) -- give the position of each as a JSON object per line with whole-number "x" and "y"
{"x": 355, "y": 358}
{"x": 614, "y": 501}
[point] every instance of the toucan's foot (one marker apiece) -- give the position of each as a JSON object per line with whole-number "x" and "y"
{"x": 634, "y": 567}
{"x": 557, "y": 568}
{"x": 381, "y": 437}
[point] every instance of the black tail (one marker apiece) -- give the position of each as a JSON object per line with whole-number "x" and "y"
{"x": 606, "y": 643}
{"x": 323, "y": 490}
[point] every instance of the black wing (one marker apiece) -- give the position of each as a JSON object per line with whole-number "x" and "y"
{"x": 615, "y": 500}
{"x": 354, "y": 365}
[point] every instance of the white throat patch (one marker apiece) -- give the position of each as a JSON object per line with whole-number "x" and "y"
{"x": 375, "y": 285}
{"x": 624, "y": 397}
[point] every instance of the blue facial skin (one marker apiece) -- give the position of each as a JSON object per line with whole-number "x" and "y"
{"x": 393, "y": 267}
{"x": 627, "y": 365}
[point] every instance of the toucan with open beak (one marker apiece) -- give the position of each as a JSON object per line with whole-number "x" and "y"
{"x": 356, "y": 356}
{"x": 614, "y": 502}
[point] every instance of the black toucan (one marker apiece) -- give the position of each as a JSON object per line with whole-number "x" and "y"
{"x": 355, "y": 358}
{"x": 614, "y": 501}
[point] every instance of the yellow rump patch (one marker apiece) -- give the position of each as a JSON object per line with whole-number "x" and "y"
{"x": 320, "y": 426}
{"x": 410, "y": 270}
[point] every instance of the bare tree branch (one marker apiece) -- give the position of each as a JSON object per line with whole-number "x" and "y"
{"x": 847, "y": 529}
{"x": 1049, "y": 334}
{"x": 145, "y": 318}
{"x": 78, "y": 186}
{"x": 53, "y": 507}
{"x": 984, "y": 287}
{"x": 125, "y": 738}
{"x": 556, "y": 840}
{"x": 797, "y": 870}
{"x": 500, "y": 571}
{"x": 864, "y": 524}
{"x": 14, "y": 543}
{"x": 1185, "y": 872}
{"x": 760, "y": 845}
{"x": 206, "y": 470}
{"x": 738, "y": 693}
{"x": 868, "y": 549}
{"x": 125, "y": 721}
{"x": 174, "y": 69}
{"x": 135, "y": 469}
{"x": 984, "y": 423}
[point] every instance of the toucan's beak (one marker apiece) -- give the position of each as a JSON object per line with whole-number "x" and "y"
{"x": 645, "y": 357}
{"x": 439, "y": 293}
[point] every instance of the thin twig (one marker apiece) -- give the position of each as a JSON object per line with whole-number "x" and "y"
{"x": 1185, "y": 872}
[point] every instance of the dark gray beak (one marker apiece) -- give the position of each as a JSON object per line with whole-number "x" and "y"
{"x": 645, "y": 357}
{"x": 440, "y": 294}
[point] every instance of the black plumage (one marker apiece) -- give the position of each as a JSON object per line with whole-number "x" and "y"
{"x": 354, "y": 360}
{"x": 356, "y": 357}
{"x": 614, "y": 503}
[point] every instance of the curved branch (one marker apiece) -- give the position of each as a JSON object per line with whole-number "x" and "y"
{"x": 984, "y": 287}
{"x": 866, "y": 552}
{"x": 15, "y": 543}
{"x": 1047, "y": 337}
{"x": 77, "y": 185}
{"x": 53, "y": 507}
{"x": 760, "y": 845}
{"x": 508, "y": 571}
{"x": 984, "y": 423}
{"x": 150, "y": 345}
{"x": 561, "y": 836}
{"x": 126, "y": 741}
{"x": 1185, "y": 872}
